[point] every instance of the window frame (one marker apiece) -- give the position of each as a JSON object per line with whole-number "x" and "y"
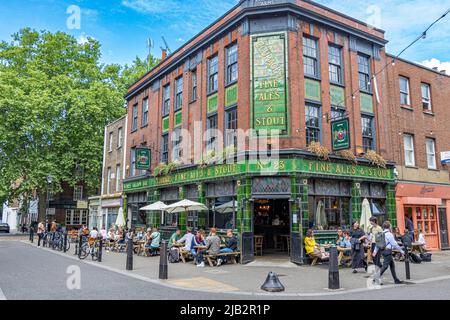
{"x": 176, "y": 144}
{"x": 228, "y": 121}
{"x": 108, "y": 180}
{"x": 371, "y": 137}
{"x": 213, "y": 73}
{"x": 424, "y": 99}
{"x": 119, "y": 138}
{"x": 314, "y": 59}
{"x": 229, "y": 66}
{"x": 412, "y": 150}
{"x": 134, "y": 118}
{"x": 212, "y": 132}
{"x": 111, "y": 137}
{"x": 165, "y": 148}
{"x": 194, "y": 85}
{"x": 178, "y": 95}
{"x": 118, "y": 177}
{"x": 133, "y": 171}
{"x": 145, "y": 110}
{"x": 367, "y": 83}
{"x": 166, "y": 101}
{"x": 315, "y": 129}
{"x": 434, "y": 167}
{"x": 407, "y": 93}
{"x": 340, "y": 72}
{"x": 77, "y": 190}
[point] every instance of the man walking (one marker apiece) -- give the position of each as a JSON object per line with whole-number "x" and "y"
{"x": 386, "y": 251}
{"x": 375, "y": 230}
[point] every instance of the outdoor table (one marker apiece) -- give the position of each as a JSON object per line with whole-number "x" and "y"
{"x": 342, "y": 255}
{"x": 418, "y": 247}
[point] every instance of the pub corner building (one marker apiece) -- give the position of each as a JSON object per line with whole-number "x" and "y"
{"x": 282, "y": 65}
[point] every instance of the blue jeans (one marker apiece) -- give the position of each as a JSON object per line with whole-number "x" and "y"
{"x": 225, "y": 250}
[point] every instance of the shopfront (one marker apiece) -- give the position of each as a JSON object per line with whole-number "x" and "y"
{"x": 110, "y": 210}
{"x": 428, "y": 207}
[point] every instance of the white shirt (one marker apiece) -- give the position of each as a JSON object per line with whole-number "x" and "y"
{"x": 421, "y": 239}
{"x": 93, "y": 234}
{"x": 103, "y": 233}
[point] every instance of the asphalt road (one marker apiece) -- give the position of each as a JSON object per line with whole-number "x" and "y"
{"x": 28, "y": 272}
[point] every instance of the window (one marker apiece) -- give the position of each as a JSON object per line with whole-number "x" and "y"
{"x": 211, "y": 133}
{"x": 364, "y": 73}
{"x": 118, "y": 180}
{"x": 213, "y": 71}
{"x": 76, "y": 217}
{"x": 111, "y": 135}
{"x": 108, "y": 181}
{"x": 404, "y": 91}
{"x": 337, "y": 113}
{"x": 120, "y": 138}
{"x": 310, "y": 56}
{"x": 335, "y": 64}
{"x": 408, "y": 141}
{"x": 232, "y": 64}
{"x": 178, "y": 94}
{"x": 166, "y": 100}
{"x": 313, "y": 123}
{"x": 133, "y": 162}
{"x": 176, "y": 144}
{"x": 77, "y": 193}
{"x": 426, "y": 97}
{"x": 368, "y": 133}
{"x": 165, "y": 149}
{"x": 134, "y": 124}
{"x": 145, "y": 112}
{"x": 431, "y": 153}
{"x": 194, "y": 85}
{"x": 231, "y": 127}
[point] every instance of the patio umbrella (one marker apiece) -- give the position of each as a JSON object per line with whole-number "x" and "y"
{"x": 227, "y": 207}
{"x": 185, "y": 205}
{"x": 321, "y": 219}
{"x": 120, "y": 221}
{"x": 364, "y": 222}
{"x": 157, "y": 206}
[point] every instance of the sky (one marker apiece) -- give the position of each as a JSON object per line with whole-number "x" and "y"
{"x": 123, "y": 26}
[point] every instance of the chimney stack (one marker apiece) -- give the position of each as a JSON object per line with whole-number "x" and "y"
{"x": 164, "y": 54}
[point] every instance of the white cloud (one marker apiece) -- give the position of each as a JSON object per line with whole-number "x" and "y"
{"x": 441, "y": 65}
{"x": 151, "y": 6}
{"x": 83, "y": 39}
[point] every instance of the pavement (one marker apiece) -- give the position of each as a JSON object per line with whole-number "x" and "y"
{"x": 227, "y": 281}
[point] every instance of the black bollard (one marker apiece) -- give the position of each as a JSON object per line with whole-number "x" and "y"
{"x": 65, "y": 242}
{"x": 333, "y": 270}
{"x": 31, "y": 235}
{"x": 407, "y": 270}
{"x": 76, "y": 245}
{"x": 100, "y": 250}
{"x": 130, "y": 254}
{"x": 163, "y": 266}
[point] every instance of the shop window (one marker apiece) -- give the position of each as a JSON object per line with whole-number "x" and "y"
{"x": 329, "y": 213}
{"x": 223, "y": 218}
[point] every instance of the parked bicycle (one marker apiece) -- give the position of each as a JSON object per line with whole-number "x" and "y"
{"x": 91, "y": 247}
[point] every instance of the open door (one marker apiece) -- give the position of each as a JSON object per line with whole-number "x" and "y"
{"x": 296, "y": 237}
{"x": 247, "y": 248}
{"x": 443, "y": 228}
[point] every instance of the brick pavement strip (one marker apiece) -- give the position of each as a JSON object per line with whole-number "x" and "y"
{"x": 247, "y": 279}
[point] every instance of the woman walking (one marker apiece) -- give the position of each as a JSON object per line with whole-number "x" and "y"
{"x": 40, "y": 232}
{"x": 357, "y": 237}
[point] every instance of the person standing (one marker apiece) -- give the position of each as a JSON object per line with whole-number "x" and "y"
{"x": 40, "y": 232}
{"x": 409, "y": 227}
{"x": 357, "y": 237}
{"x": 386, "y": 252}
{"x": 374, "y": 230}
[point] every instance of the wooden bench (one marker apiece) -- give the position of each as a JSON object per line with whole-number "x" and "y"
{"x": 342, "y": 257}
{"x": 212, "y": 258}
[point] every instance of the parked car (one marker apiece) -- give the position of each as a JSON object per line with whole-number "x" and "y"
{"x": 4, "y": 227}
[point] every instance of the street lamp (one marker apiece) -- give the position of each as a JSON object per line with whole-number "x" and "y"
{"x": 49, "y": 182}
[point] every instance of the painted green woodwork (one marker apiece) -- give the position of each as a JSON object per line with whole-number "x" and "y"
{"x": 366, "y": 103}
{"x": 269, "y": 90}
{"x": 231, "y": 95}
{"x": 182, "y": 216}
{"x": 356, "y": 201}
{"x": 213, "y": 103}
{"x": 340, "y": 134}
{"x": 295, "y": 191}
{"x": 304, "y": 205}
{"x": 202, "y": 199}
{"x": 178, "y": 118}
{"x": 337, "y": 96}
{"x": 312, "y": 90}
{"x": 282, "y": 166}
{"x": 244, "y": 214}
{"x": 166, "y": 124}
{"x": 391, "y": 204}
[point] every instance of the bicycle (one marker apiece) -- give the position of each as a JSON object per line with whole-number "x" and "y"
{"x": 58, "y": 242}
{"x": 89, "y": 248}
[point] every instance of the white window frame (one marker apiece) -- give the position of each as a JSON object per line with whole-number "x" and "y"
{"x": 111, "y": 136}
{"x": 77, "y": 193}
{"x": 108, "y": 181}
{"x": 426, "y": 100}
{"x": 409, "y": 150}
{"x": 118, "y": 178}
{"x": 119, "y": 137}
{"x": 407, "y": 92}
{"x": 431, "y": 154}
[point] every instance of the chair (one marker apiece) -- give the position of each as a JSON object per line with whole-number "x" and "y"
{"x": 259, "y": 240}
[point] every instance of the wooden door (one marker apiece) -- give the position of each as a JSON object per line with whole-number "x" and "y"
{"x": 425, "y": 219}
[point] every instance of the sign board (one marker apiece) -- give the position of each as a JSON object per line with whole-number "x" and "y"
{"x": 340, "y": 134}
{"x": 143, "y": 158}
{"x": 445, "y": 157}
{"x": 82, "y": 204}
{"x": 269, "y": 83}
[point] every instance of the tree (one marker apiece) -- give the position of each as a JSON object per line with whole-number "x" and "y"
{"x": 55, "y": 100}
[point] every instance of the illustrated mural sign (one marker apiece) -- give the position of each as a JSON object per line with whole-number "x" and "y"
{"x": 340, "y": 134}
{"x": 269, "y": 85}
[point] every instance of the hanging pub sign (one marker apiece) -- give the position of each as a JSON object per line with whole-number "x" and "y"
{"x": 143, "y": 158}
{"x": 340, "y": 134}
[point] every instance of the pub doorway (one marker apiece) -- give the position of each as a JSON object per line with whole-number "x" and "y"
{"x": 271, "y": 220}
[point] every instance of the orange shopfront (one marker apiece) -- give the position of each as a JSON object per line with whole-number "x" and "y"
{"x": 429, "y": 207}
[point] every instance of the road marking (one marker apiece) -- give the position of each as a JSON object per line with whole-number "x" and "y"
{"x": 2, "y": 296}
{"x": 203, "y": 283}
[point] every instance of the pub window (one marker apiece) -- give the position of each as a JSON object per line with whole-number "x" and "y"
{"x": 310, "y": 57}
{"x": 225, "y": 217}
{"x": 335, "y": 64}
{"x": 426, "y": 97}
{"x": 134, "y": 123}
{"x": 313, "y": 123}
{"x": 408, "y": 142}
{"x": 431, "y": 153}
{"x": 232, "y": 63}
{"x": 194, "y": 85}
{"x": 231, "y": 127}
{"x": 368, "y": 132}
{"x": 404, "y": 91}
{"x": 165, "y": 148}
{"x": 145, "y": 112}
{"x": 166, "y": 100}
{"x": 178, "y": 94}
{"x": 211, "y": 143}
{"x": 364, "y": 73}
{"x": 213, "y": 71}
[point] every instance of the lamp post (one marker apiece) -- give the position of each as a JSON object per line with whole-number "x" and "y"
{"x": 49, "y": 182}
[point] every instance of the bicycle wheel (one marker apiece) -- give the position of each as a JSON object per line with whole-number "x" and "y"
{"x": 84, "y": 251}
{"x": 94, "y": 252}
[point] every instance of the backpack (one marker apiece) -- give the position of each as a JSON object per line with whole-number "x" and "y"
{"x": 426, "y": 257}
{"x": 415, "y": 258}
{"x": 380, "y": 240}
{"x": 174, "y": 255}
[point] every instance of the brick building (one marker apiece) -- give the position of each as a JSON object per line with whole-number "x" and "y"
{"x": 282, "y": 71}
{"x": 105, "y": 208}
{"x": 420, "y": 135}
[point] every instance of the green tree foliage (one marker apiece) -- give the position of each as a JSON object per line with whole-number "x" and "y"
{"x": 55, "y": 100}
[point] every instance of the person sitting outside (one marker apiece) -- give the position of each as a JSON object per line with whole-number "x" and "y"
{"x": 345, "y": 241}
{"x": 197, "y": 240}
{"x": 187, "y": 240}
{"x": 212, "y": 247}
{"x": 120, "y": 236}
{"x": 420, "y": 239}
{"x": 340, "y": 236}
{"x": 103, "y": 233}
{"x": 313, "y": 249}
{"x": 231, "y": 245}
{"x": 176, "y": 236}
{"x": 94, "y": 233}
{"x": 155, "y": 241}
